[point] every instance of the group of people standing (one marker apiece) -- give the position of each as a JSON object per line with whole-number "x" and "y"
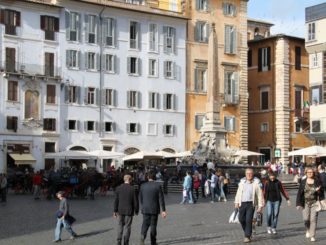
{"x": 253, "y": 195}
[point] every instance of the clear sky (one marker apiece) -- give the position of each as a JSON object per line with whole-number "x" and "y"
{"x": 288, "y": 16}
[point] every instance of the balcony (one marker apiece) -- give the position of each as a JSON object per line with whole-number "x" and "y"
{"x": 302, "y": 113}
{"x": 230, "y": 99}
{"x": 10, "y": 30}
{"x": 50, "y": 36}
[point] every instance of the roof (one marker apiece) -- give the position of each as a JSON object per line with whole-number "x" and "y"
{"x": 281, "y": 35}
{"x": 260, "y": 21}
{"x": 316, "y": 12}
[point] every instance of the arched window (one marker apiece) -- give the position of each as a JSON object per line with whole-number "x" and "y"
{"x": 77, "y": 148}
{"x": 130, "y": 150}
{"x": 169, "y": 150}
{"x": 32, "y": 104}
{"x": 256, "y": 31}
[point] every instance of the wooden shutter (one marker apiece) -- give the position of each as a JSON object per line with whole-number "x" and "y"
{"x": 234, "y": 40}
{"x": 174, "y": 39}
{"x": 139, "y": 66}
{"x": 98, "y": 62}
{"x": 43, "y": 22}
{"x": 86, "y": 29}
{"x": 79, "y": 27}
{"x": 165, "y": 36}
{"x": 235, "y": 87}
{"x": 260, "y": 56}
{"x": 196, "y": 85}
{"x": 128, "y": 65}
{"x": 97, "y": 97}
{"x": 227, "y": 39}
{"x": 78, "y": 95}
{"x": 86, "y": 61}
{"x": 56, "y": 24}
{"x": 105, "y": 25}
{"x": 66, "y": 94}
{"x": 165, "y": 68}
{"x": 85, "y": 96}
{"x": 2, "y": 16}
{"x": 79, "y": 56}
{"x": 157, "y": 105}
{"x": 138, "y": 42}
{"x": 66, "y": 124}
{"x": 150, "y": 100}
{"x": 225, "y": 8}
{"x": 114, "y": 32}
{"x": 207, "y": 32}
{"x": 103, "y": 95}
{"x": 249, "y": 58}
{"x": 298, "y": 58}
{"x": 68, "y": 60}
{"x": 128, "y": 99}
{"x": 269, "y": 58}
{"x": 164, "y": 101}
{"x": 197, "y": 31}
{"x": 174, "y": 102}
{"x": 97, "y": 30}
{"x": 17, "y": 16}
{"x": 67, "y": 17}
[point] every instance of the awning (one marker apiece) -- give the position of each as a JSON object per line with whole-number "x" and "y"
{"x": 21, "y": 159}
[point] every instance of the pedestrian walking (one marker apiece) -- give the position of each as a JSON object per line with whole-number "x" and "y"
{"x": 213, "y": 181}
{"x": 273, "y": 189}
{"x": 152, "y": 202}
{"x": 322, "y": 175}
{"x": 64, "y": 219}
{"x": 310, "y": 191}
{"x": 203, "y": 179}
{"x": 126, "y": 205}
{"x": 221, "y": 180}
{"x": 249, "y": 195}
{"x": 37, "y": 181}
{"x": 3, "y": 188}
{"x": 196, "y": 185}
{"x": 187, "y": 186}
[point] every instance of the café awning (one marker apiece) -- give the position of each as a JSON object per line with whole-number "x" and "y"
{"x": 21, "y": 159}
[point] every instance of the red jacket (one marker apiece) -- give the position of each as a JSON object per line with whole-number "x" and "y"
{"x": 37, "y": 179}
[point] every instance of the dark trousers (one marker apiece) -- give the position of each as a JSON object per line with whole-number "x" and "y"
{"x": 124, "y": 224}
{"x": 149, "y": 220}
{"x": 246, "y": 214}
{"x": 3, "y": 194}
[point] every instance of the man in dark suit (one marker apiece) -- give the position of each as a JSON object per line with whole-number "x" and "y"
{"x": 152, "y": 201}
{"x": 125, "y": 206}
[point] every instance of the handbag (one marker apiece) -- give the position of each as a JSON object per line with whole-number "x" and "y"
{"x": 259, "y": 219}
{"x": 321, "y": 205}
{"x": 234, "y": 217}
{"x": 184, "y": 193}
{"x": 70, "y": 219}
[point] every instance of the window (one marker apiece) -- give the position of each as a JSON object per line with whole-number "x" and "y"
{"x": 92, "y": 61}
{"x": 90, "y": 126}
{"x": 199, "y": 121}
{"x": 229, "y": 9}
{"x": 314, "y": 60}
{"x": 168, "y": 130}
{"x": 229, "y": 123}
{"x": 32, "y": 104}
{"x": 50, "y": 25}
{"x": 264, "y": 127}
{"x": 200, "y": 79}
{"x": 109, "y": 26}
{"x": 169, "y": 102}
{"x": 230, "y": 45}
{"x": 12, "y": 123}
{"x": 133, "y": 128}
{"x": 231, "y": 87}
{"x": 91, "y": 27}
{"x": 201, "y": 32}
{"x": 73, "y": 59}
{"x": 133, "y": 99}
{"x": 49, "y": 64}
{"x": 152, "y": 68}
{"x": 264, "y": 99}
{"x": 134, "y": 34}
{"x": 49, "y": 164}
{"x": 91, "y": 97}
{"x": 50, "y": 94}
{"x": 11, "y": 19}
{"x": 134, "y": 67}
{"x": 10, "y": 59}
{"x": 12, "y": 91}
{"x": 316, "y": 95}
{"x": 298, "y": 126}
{"x": 298, "y": 102}
{"x": 311, "y": 31}
{"x": 110, "y": 63}
{"x": 109, "y": 127}
{"x": 153, "y": 100}
{"x": 73, "y": 25}
{"x": 110, "y": 97}
{"x": 202, "y": 5}
{"x": 169, "y": 69}
{"x": 249, "y": 58}
{"x": 49, "y": 124}
{"x": 72, "y": 125}
{"x": 152, "y": 129}
{"x": 315, "y": 126}
{"x": 72, "y": 94}
{"x": 264, "y": 59}
{"x": 298, "y": 58}
{"x": 49, "y": 147}
{"x": 153, "y": 38}
{"x": 169, "y": 39}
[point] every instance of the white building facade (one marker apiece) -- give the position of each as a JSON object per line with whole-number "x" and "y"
{"x": 89, "y": 77}
{"x": 316, "y": 47}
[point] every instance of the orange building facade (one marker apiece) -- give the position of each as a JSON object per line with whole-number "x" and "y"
{"x": 278, "y": 86}
{"x": 230, "y": 18}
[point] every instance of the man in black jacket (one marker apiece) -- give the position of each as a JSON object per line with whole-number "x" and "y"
{"x": 152, "y": 200}
{"x": 125, "y": 206}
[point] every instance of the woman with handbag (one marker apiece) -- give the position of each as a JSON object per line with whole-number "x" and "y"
{"x": 309, "y": 193}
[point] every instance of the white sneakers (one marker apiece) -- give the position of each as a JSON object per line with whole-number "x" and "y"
{"x": 307, "y": 234}
{"x": 312, "y": 239}
{"x": 274, "y": 231}
{"x": 269, "y": 230}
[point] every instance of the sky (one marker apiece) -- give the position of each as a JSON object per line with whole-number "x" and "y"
{"x": 288, "y": 16}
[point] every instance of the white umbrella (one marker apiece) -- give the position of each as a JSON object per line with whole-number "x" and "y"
{"x": 70, "y": 154}
{"x": 165, "y": 154}
{"x": 245, "y": 153}
{"x": 143, "y": 155}
{"x": 102, "y": 154}
{"x": 315, "y": 150}
{"x": 183, "y": 154}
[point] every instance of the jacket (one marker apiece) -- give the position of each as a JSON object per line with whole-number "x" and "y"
{"x": 279, "y": 189}
{"x": 257, "y": 193}
{"x": 126, "y": 200}
{"x": 151, "y": 198}
{"x": 187, "y": 183}
{"x": 300, "y": 195}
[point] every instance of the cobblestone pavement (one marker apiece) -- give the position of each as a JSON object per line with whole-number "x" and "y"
{"x": 25, "y": 221}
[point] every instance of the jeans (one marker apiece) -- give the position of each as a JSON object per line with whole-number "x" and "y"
{"x": 60, "y": 223}
{"x": 273, "y": 209}
{"x": 222, "y": 194}
{"x": 214, "y": 193}
{"x": 310, "y": 217}
{"x": 124, "y": 222}
{"x": 3, "y": 194}
{"x": 37, "y": 190}
{"x": 188, "y": 197}
{"x": 149, "y": 220}
{"x": 246, "y": 214}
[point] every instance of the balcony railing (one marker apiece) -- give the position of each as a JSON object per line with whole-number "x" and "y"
{"x": 50, "y": 36}
{"x": 231, "y": 99}
{"x": 10, "y": 30}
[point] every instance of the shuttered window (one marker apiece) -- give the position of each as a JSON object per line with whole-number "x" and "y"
{"x": 109, "y": 127}
{"x": 109, "y": 32}
{"x": 201, "y": 79}
{"x": 110, "y": 97}
{"x": 152, "y": 37}
{"x": 134, "y": 35}
{"x": 133, "y": 66}
{"x": 169, "y": 101}
{"x": 264, "y": 59}
{"x": 50, "y": 25}
{"x": 91, "y": 23}
{"x": 133, "y": 128}
{"x": 202, "y": 5}
{"x": 50, "y": 94}
{"x": 229, "y": 9}
{"x": 199, "y": 121}
{"x": 72, "y": 94}
{"x": 73, "y": 58}
{"x": 133, "y": 99}
{"x": 231, "y": 87}
{"x": 49, "y": 124}
{"x": 169, "y": 69}
{"x": 73, "y": 26}
{"x": 311, "y": 31}
{"x": 110, "y": 61}
{"x": 169, "y": 44}
{"x": 201, "y": 32}
{"x": 168, "y": 130}
{"x": 298, "y": 58}
{"x": 49, "y": 64}
{"x": 264, "y": 100}
{"x": 229, "y": 124}
{"x": 11, "y": 19}
{"x": 12, "y": 123}
{"x": 152, "y": 68}
{"x": 153, "y": 100}
{"x": 12, "y": 94}
{"x": 10, "y": 59}
{"x": 230, "y": 40}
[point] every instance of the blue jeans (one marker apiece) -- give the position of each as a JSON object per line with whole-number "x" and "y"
{"x": 273, "y": 209}
{"x": 188, "y": 197}
{"x": 60, "y": 223}
{"x": 214, "y": 193}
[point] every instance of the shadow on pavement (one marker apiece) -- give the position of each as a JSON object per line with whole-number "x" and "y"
{"x": 188, "y": 239}
{"x": 93, "y": 233}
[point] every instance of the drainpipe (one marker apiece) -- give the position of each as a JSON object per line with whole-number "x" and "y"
{"x": 101, "y": 74}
